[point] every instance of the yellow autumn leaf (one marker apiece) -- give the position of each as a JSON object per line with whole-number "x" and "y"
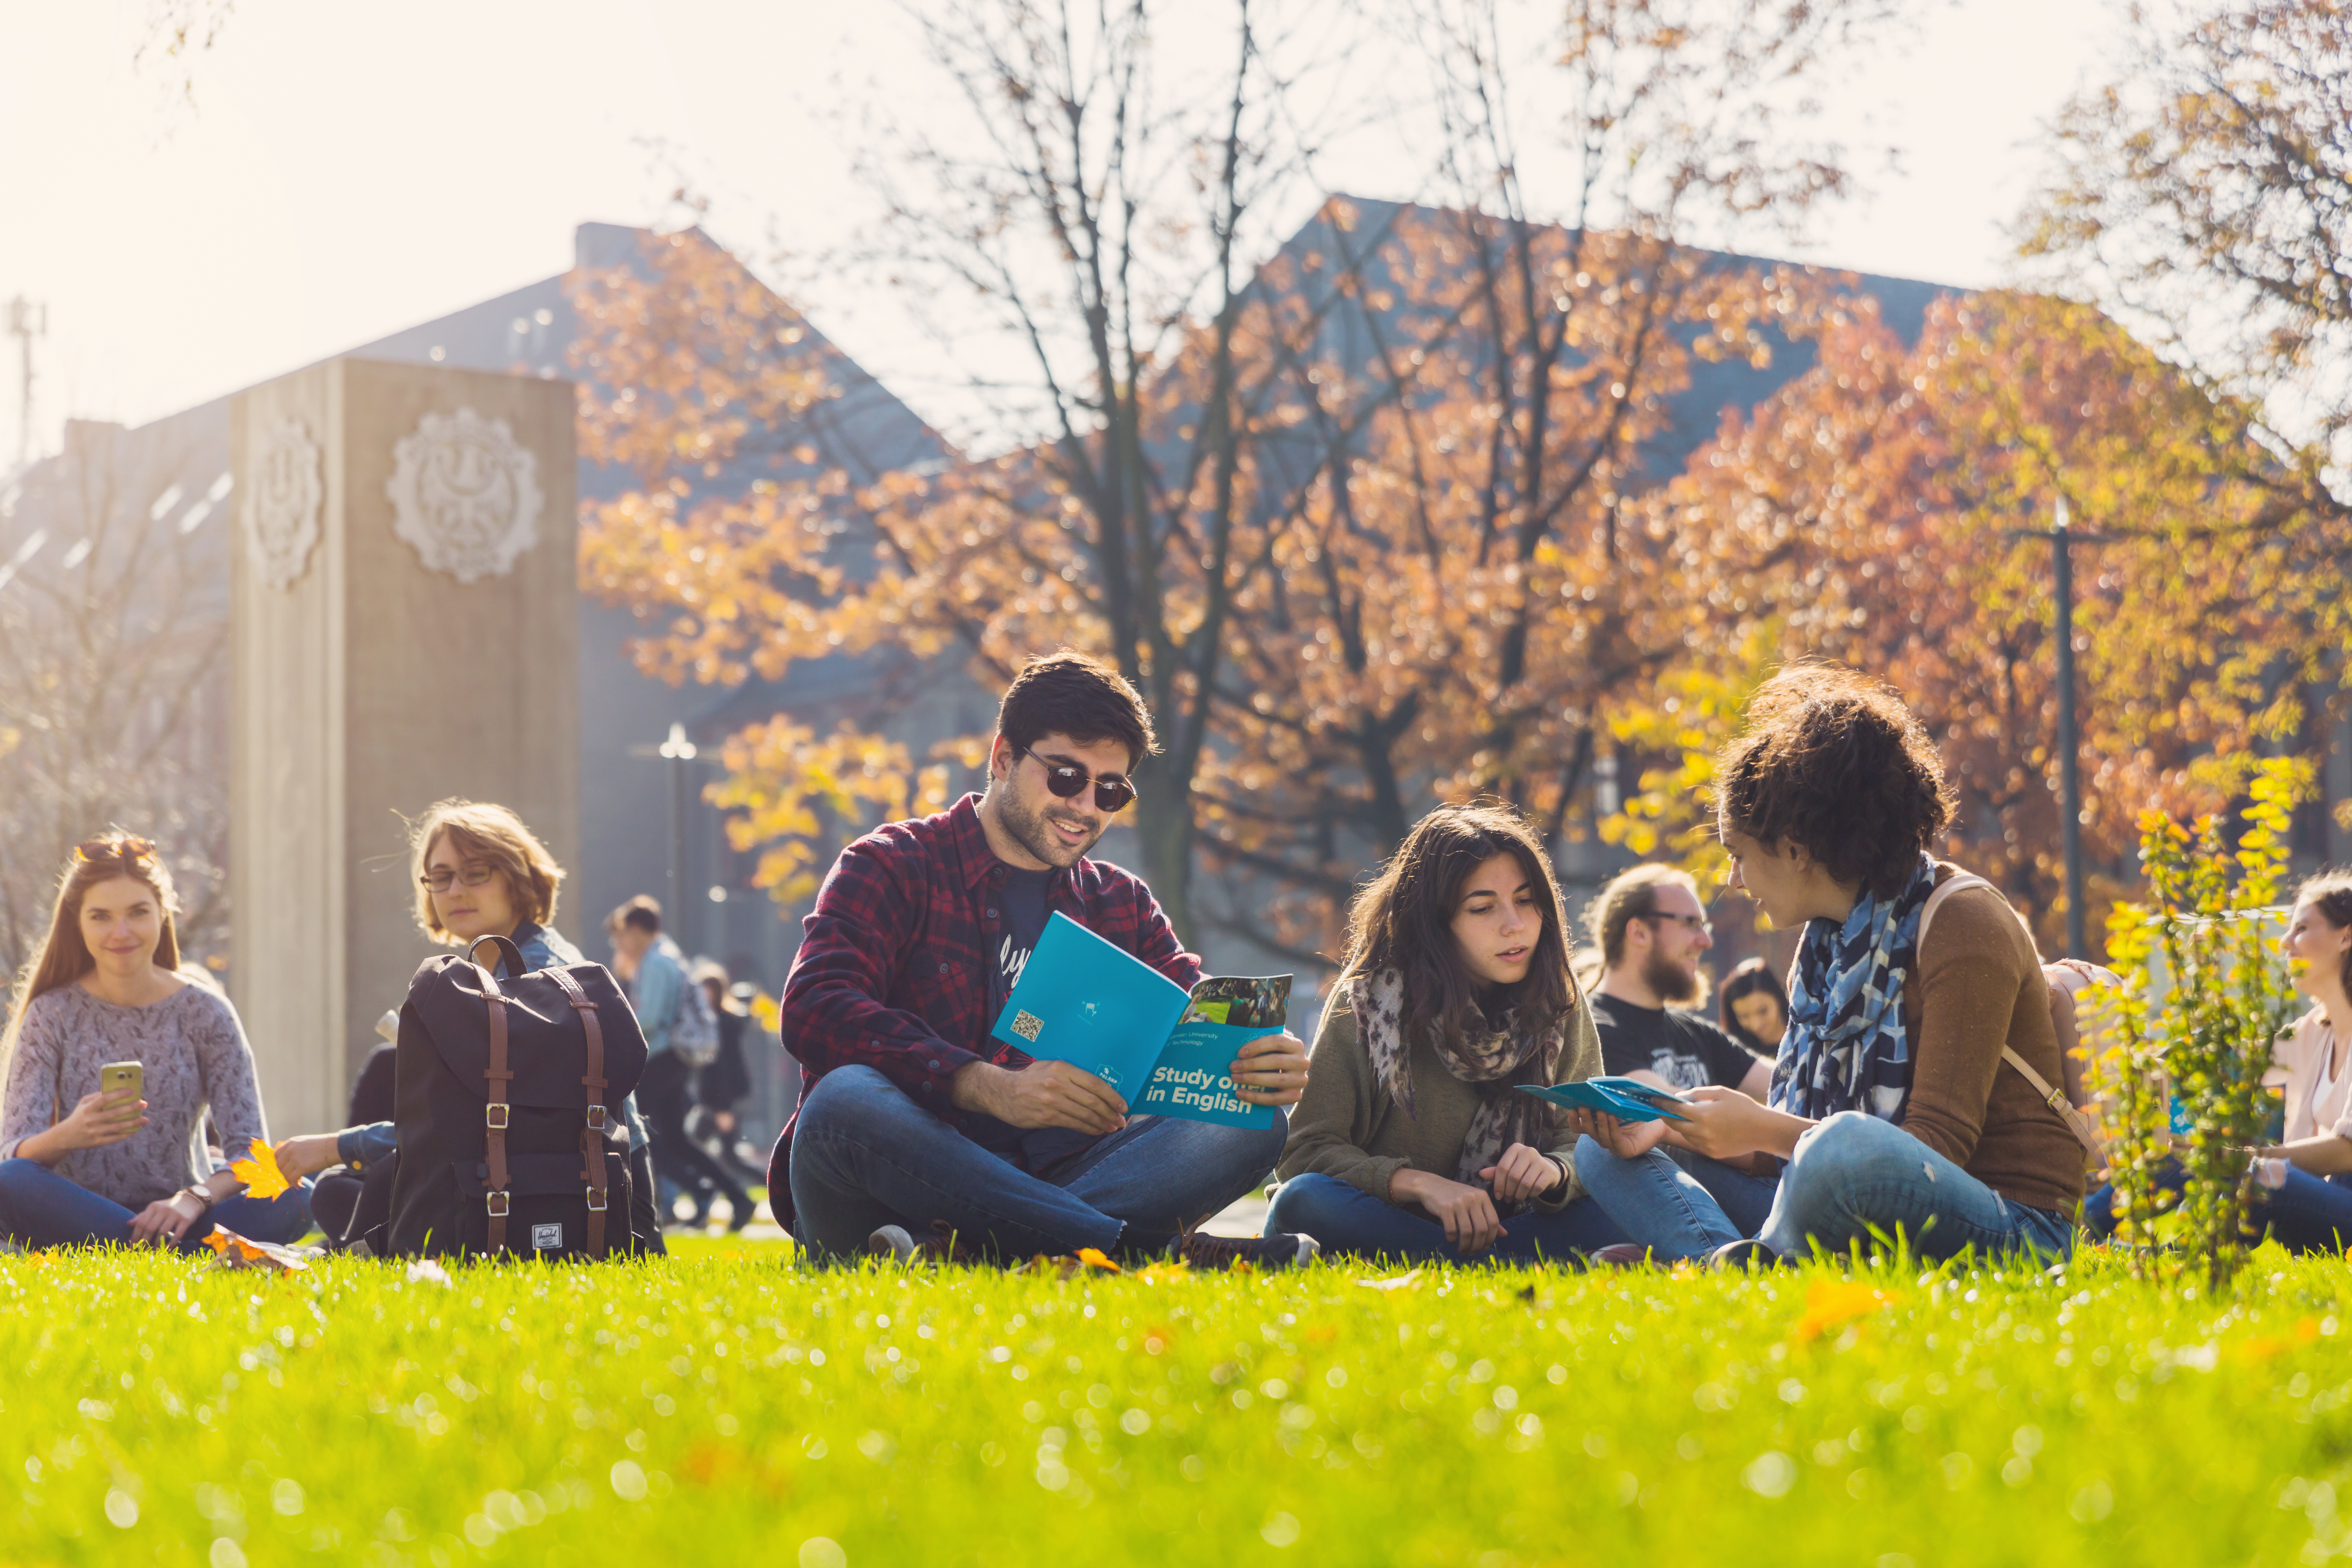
{"x": 1094, "y": 1258}
{"x": 259, "y": 1172}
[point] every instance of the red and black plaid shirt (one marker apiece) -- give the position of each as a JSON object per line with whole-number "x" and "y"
{"x": 895, "y": 961}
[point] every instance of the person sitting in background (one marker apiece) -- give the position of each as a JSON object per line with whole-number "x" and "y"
{"x": 917, "y": 1130}
{"x": 2302, "y": 1193}
{"x": 479, "y": 872}
{"x": 1412, "y": 1141}
{"x": 653, "y": 972}
{"x": 1755, "y": 1008}
{"x": 106, "y": 987}
{"x": 1893, "y": 1101}
{"x": 1650, "y": 928}
{"x": 724, "y": 1081}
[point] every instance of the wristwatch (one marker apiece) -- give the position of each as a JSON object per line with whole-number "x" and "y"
{"x": 204, "y": 1199}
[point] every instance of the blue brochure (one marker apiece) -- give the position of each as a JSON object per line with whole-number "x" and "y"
{"x": 1626, "y": 1099}
{"x": 1082, "y": 1001}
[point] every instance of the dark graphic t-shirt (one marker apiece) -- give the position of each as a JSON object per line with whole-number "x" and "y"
{"x": 1020, "y": 900}
{"x": 1023, "y": 900}
{"x": 1688, "y": 1052}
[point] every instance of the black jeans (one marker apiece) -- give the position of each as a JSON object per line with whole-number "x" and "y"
{"x": 664, "y": 1097}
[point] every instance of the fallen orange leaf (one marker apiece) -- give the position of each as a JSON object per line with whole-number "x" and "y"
{"x": 239, "y": 1252}
{"x": 1830, "y": 1303}
{"x": 1093, "y": 1258}
{"x": 260, "y": 1175}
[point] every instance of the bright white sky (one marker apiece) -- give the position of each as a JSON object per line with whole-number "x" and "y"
{"x": 346, "y": 171}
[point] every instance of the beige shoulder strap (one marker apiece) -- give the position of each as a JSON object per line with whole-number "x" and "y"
{"x": 2056, "y": 1098}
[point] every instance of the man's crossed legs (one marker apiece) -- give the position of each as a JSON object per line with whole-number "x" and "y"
{"x": 865, "y": 1156}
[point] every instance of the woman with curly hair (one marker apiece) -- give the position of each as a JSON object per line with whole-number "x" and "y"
{"x": 1893, "y": 1101}
{"x": 1411, "y": 1140}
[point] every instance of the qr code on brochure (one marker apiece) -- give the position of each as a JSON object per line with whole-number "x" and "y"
{"x": 1027, "y": 1025}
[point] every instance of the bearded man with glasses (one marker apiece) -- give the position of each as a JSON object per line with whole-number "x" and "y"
{"x": 1652, "y": 931}
{"x": 918, "y": 1133}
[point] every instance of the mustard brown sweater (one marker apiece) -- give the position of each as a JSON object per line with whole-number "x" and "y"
{"x": 1348, "y": 1127}
{"x": 1978, "y": 987}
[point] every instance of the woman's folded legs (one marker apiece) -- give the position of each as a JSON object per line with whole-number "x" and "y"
{"x": 1347, "y": 1220}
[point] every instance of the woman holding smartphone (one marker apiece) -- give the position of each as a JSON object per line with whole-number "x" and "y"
{"x": 1413, "y": 1140}
{"x": 78, "y": 1164}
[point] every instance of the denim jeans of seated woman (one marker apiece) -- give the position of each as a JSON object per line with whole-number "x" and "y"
{"x": 40, "y": 1208}
{"x": 1661, "y": 1198}
{"x": 1851, "y": 1179}
{"x": 865, "y": 1155}
{"x": 2310, "y": 1214}
{"x": 1348, "y": 1220}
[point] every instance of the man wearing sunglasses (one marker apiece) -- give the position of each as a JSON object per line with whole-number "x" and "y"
{"x": 917, "y": 1131}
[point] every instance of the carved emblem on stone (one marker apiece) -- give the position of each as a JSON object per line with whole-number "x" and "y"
{"x": 465, "y": 493}
{"x": 281, "y": 510}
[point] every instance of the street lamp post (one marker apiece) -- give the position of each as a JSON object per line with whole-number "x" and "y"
{"x": 2062, "y": 539}
{"x": 679, "y": 751}
{"x": 2070, "y": 744}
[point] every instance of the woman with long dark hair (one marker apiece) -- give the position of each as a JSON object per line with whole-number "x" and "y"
{"x": 78, "y": 1164}
{"x": 1411, "y": 1140}
{"x": 1904, "y": 1097}
{"x": 2302, "y": 1187}
{"x": 1755, "y": 1007}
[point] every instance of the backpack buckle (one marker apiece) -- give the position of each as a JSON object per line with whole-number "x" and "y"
{"x": 596, "y": 1119}
{"x": 499, "y": 1205}
{"x": 596, "y": 1201}
{"x": 496, "y": 1114}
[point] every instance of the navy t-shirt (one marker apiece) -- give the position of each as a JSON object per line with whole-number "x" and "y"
{"x": 1022, "y": 899}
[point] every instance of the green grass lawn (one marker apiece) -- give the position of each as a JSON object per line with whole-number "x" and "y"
{"x": 722, "y": 1407}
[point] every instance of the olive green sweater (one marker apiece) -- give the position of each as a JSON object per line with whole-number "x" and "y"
{"x": 1346, "y": 1126}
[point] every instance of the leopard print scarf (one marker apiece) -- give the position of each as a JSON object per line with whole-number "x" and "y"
{"x": 1480, "y": 1057}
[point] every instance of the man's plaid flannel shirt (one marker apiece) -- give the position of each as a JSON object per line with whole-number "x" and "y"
{"x": 895, "y": 960}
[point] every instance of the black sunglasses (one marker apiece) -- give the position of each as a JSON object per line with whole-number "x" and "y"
{"x": 1113, "y": 793}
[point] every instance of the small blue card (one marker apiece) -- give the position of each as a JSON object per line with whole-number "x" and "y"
{"x": 1165, "y": 1050}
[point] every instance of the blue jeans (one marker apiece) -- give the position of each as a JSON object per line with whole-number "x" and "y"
{"x": 2310, "y": 1214}
{"x": 1851, "y": 1178}
{"x": 1348, "y": 1220}
{"x": 1677, "y": 1204}
{"x": 865, "y": 1155}
{"x": 40, "y": 1208}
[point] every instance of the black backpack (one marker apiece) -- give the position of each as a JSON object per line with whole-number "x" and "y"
{"x": 508, "y": 1097}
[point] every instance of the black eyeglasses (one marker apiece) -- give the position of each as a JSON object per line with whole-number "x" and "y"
{"x": 473, "y": 874}
{"x": 1696, "y": 922}
{"x": 1113, "y": 792}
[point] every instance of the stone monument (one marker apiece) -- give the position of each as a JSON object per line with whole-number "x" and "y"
{"x": 406, "y": 629}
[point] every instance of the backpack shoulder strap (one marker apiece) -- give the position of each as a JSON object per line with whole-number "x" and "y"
{"x": 2076, "y": 1122}
{"x": 1942, "y": 890}
{"x": 2056, "y": 1098}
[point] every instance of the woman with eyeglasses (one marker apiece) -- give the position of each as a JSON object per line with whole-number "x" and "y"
{"x": 79, "y": 1164}
{"x": 480, "y": 872}
{"x": 1904, "y": 1097}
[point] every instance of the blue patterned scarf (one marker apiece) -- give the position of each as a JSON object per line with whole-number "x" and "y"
{"x": 1845, "y": 1048}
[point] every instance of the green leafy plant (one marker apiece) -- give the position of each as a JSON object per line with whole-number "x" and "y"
{"x": 2203, "y": 995}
